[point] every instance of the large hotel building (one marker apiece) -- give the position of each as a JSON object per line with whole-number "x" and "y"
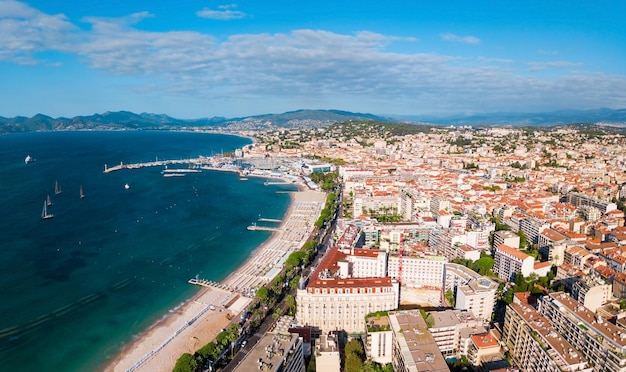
{"x": 333, "y": 300}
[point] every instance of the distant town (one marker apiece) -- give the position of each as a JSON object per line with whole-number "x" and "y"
{"x": 489, "y": 249}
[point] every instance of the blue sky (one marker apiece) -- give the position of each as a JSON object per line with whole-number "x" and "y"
{"x": 192, "y": 59}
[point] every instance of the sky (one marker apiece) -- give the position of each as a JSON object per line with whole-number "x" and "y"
{"x": 196, "y": 59}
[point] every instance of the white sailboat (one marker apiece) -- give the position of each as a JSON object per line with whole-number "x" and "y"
{"x": 82, "y": 195}
{"x": 57, "y": 188}
{"x": 48, "y": 201}
{"x": 44, "y": 213}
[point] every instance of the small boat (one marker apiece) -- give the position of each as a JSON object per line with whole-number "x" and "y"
{"x": 28, "y": 159}
{"x": 82, "y": 195}
{"x": 57, "y": 188}
{"x": 44, "y": 213}
{"x": 126, "y": 186}
{"x": 48, "y": 201}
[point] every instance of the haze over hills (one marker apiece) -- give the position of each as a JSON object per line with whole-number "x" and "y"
{"x": 602, "y": 115}
{"x": 301, "y": 119}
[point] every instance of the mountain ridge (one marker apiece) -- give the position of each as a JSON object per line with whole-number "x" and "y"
{"x": 303, "y": 118}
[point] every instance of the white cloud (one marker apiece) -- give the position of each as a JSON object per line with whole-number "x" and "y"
{"x": 539, "y": 66}
{"x": 25, "y": 31}
{"x": 301, "y": 66}
{"x": 548, "y": 52}
{"x": 461, "y": 39}
{"x": 222, "y": 13}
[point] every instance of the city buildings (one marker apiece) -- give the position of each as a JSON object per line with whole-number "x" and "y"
{"x": 535, "y": 345}
{"x": 602, "y": 343}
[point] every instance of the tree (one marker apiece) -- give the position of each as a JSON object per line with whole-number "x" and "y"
{"x": 290, "y": 300}
{"x": 295, "y": 259}
{"x": 450, "y": 297}
{"x": 210, "y": 350}
{"x": 293, "y": 283}
{"x": 484, "y": 265}
{"x": 186, "y": 363}
{"x": 353, "y": 363}
{"x": 263, "y": 294}
{"x": 355, "y": 347}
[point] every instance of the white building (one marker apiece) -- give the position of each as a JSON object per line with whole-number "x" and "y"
{"x": 331, "y": 302}
{"x": 418, "y": 270}
{"x": 474, "y": 292}
{"x": 507, "y": 238}
{"x": 510, "y": 261}
{"x": 478, "y": 296}
{"x": 451, "y": 330}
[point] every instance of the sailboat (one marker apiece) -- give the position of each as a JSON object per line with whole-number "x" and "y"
{"x": 82, "y": 195}
{"x": 44, "y": 213}
{"x": 48, "y": 201}
{"x": 57, "y": 188}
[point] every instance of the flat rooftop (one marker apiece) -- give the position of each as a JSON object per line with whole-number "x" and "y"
{"x": 418, "y": 348}
{"x": 269, "y": 352}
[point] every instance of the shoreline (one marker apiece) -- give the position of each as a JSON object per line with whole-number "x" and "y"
{"x": 198, "y": 320}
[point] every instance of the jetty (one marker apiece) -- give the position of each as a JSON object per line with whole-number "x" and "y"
{"x": 269, "y": 220}
{"x": 200, "y": 161}
{"x": 262, "y": 228}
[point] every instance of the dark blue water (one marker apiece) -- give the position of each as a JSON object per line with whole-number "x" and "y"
{"x": 75, "y": 288}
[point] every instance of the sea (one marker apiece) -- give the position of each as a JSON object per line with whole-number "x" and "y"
{"x": 76, "y": 288}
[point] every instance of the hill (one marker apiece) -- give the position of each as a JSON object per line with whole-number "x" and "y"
{"x": 127, "y": 120}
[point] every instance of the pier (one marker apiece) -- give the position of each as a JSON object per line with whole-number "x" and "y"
{"x": 262, "y": 228}
{"x": 196, "y": 161}
{"x": 202, "y": 282}
{"x": 269, "y": 183}
{"x": 269, "y": 220}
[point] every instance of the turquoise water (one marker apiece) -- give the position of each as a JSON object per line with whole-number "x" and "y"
{"x": 75, "y": 288}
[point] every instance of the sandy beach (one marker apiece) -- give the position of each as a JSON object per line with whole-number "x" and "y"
{"x": 200, "y": 319}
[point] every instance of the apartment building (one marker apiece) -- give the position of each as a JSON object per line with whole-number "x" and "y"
{"x": 452, "y": 329}
{"x": 379, "y": 338}
{"x": 506, "y": 237}
{"x": 352, "y": 237}
{"x": 477, "y": 296}
{"x": 474, "y": 292}
{"x": 327, "y": 354}
{"x": 602, "y": 343}
{"x": 576, "y": 256}
{"x": 619, "y": 285}
{"x": 580, "y": 200}
{"x": 478, "y": 239}
{"x": 591, "y": 292}
{"x": 483, "y": 348}
{"x": 535, "y": 345}
{"x": 552, "y": 246}
{"x": 414, "y": 349}
{"x": 532, "y": 227}
{"x": 332, "y": 302}
{"x": 510, "y": 261}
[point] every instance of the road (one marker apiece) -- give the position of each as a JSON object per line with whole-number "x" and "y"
{"x": 267, "y": 324}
